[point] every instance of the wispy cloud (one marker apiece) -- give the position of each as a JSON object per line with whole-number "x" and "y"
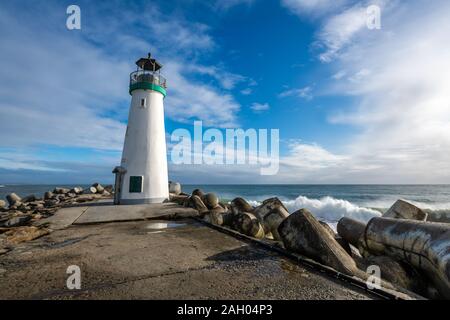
{"x": 398, "y": 79}
{"x": 305, "y": 8}
{"x": 305, "y": 93}
{"x": 339, "y": 30}
{"x": 227, "y": 4}
{"x": 259, "y": 107}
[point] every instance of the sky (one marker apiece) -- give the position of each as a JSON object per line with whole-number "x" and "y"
{"x": 353, "y": 105}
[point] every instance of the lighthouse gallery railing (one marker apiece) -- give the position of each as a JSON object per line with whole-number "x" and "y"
{"x": 148, "y": 77}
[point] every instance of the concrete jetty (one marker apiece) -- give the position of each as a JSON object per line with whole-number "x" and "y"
{"x": 136, "y": 252}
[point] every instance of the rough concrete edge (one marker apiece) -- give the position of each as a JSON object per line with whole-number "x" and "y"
{"x": 309, "y": 263}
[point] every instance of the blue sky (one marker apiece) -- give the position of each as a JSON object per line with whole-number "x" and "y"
{"x": 353, "y": 105}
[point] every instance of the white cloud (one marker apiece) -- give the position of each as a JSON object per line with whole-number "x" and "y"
{"x": 259, "y": 107}
{"x": 339, "y": 30}
{"x": 399, "y": 78}
{"x": 311, "y": 156}
{"x": 57, "y": 90}
{"x": 305, "y": 93}
{"x": 60, "y": 89}
{"x": 227, "y": 4}
{"x": 246, "y": 91}
{"x": 188, "y": 100}
{"x": 312, "y": 7}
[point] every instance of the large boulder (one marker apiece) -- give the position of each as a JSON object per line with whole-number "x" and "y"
{"x": 303, "y": 234}
{"x": 61, "y": 190}
{"x": 198, "y": 193}
{"x": 179, "y": 199}
{"x": 219, "y": 216}
{"x": 272, "y": 221}
{"x": 246, "y": 223}
{"x": 77, "y": 190}
{"x": 351, "y": 230}
{"x": 405, "y": 210}
{"x": 399, "y": 274}
{"x": 240, "y": 205}
{"x": 17, "y": 221}
{"x": 13, "y": 199}
{"x": 98, "y": 187}
{"x": 48, "y": 195}
{"x": 423, "y": 245}
{"x": 174, "y": 188}
{"x": 29, "y": 198}
{"x": 267, "y": 206}
{"x": 197, "y": 203}
{"x": 210, "y": 200}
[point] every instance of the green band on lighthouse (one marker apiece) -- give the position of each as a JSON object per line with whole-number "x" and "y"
{"x": 147, "y": 86}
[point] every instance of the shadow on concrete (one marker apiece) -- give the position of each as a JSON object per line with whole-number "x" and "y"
{"x": 247, "y": 253}
{"x": 91, "y": 204}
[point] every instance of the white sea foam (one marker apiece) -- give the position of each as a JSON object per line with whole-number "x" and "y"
{"x": 329, "y": 209}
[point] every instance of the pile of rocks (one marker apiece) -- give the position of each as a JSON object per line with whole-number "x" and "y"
{"x": 410, "y": 252}
{"x": 18, "y": 219}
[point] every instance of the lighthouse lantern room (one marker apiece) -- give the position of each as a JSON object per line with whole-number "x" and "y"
{"x": 142, "y": 176}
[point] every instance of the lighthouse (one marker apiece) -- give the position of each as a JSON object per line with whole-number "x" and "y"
{"x": 142, "y": 176}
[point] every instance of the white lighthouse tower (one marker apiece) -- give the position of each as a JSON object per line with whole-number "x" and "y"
{"x": 142, "y": 175}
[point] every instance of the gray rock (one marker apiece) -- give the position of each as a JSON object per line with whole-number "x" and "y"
{"x": 405, "y": 210}
{"x": 269, "y": 205}
{"x": 179, "y": 199}
{"x": 51, "y": 203}
{"x": 240, "y": 205}
{"x": 174, "y": 187}
{"x": 399, "y": 274}
{"x": 272, "y": 221}
{"x": 77, "y": 190}
{"x": 219, "y": 216}
{"x": 2, "y": 204}
{"x": 13, "y": 199}
{"x": 61, "y": 190}
{"x": 423, "y": 245}
{"x": 17, "y": 221}
{"x": 246, "y": 223}
{"x": 210, "y": 200}
{"x": 328, "y": 228}
{"x": 197, "y": 203}
{"x": 98, "y": 187}
{"x": 198, "y": 193}
{"x": 29, "y": 198}
{"x": 351, "y": 230}
{"x": 48, "y": 195}
{"x": 302, "y": 233}
{"x": 92, "y": 190}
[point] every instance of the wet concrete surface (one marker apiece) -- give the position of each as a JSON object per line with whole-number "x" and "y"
{"x": 159, "y": 260}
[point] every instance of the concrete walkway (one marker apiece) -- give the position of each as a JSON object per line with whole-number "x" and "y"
{"x": 156, "y": 260}
{"x": 104, "y": 211}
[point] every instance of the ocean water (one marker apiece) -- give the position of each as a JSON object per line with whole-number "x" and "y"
{"x": 326, "y": 202}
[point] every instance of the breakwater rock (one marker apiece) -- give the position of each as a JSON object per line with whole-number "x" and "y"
{"x": 20, "y": 220}
{"x": 411, "y": 253}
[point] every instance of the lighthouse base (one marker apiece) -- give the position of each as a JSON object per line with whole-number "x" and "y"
{"x": 142, "y": 201}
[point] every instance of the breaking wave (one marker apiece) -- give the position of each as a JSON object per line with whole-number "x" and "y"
{"x": 329, "y": 209}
